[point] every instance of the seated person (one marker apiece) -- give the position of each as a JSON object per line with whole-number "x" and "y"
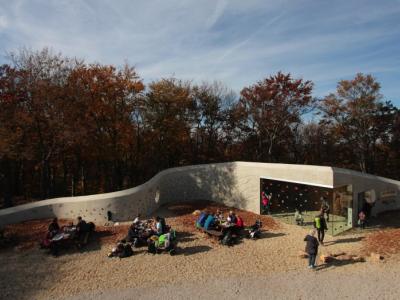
{"x": 238, "y": 226}
{"x": 255, "y": 229}
{"x": 219, "y": 215}
{"x": 165, "y": 241}
{"x": 231, "y": 218}
{"x": 81, "y": 226}
{"x": 158, "y": 227}
{"x": 210, "y": 222}
{"x": 201, "y": 219}
{"x": 53, "y": 228}
{"x": 137, "y": 220}
{"x": 298, "y": 217}
{"x": 239, "y": 222}
{"x": 82, "y": 232}
{"x": 132, "y": 233}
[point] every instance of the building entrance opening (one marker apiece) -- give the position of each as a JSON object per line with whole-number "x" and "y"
{"x": 299, "y": 204}
{"x": 366, "y": 201}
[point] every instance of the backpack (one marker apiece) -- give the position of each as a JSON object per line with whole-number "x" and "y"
{"x": 127, "y": 251}
{"x": 317, "y": 222}
{"x": 151, "y": 247}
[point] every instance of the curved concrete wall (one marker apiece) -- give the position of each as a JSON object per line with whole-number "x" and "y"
{"x": 235, "y": 184}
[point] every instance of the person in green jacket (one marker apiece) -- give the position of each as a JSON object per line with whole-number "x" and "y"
{"x": 320, "y": 225}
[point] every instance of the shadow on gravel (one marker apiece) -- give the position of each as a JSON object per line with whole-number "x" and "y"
{"x": 337, "y": 263}
{"x": 193, "y": 250}
{"x": 185, "y": 237}
{"x": 345, "y": 240}
{"x": 267, "y": 235}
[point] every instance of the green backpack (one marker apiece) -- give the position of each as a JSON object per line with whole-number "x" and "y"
{"x": 317, "y": 222}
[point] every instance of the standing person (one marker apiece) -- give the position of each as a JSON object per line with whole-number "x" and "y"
{"x": 265, "y": 203}
{"x": 320, "y": 225}
{"x": 311, "y": 248}
{"x": 325, "y": 207}
{"x": 361, "y": 219}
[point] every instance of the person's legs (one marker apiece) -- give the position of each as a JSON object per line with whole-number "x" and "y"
{"x": 319, "y": 234}
{"x": 310, "y": 259}
{"x": 322, "y": 236}
{"x": 313, "y": 257}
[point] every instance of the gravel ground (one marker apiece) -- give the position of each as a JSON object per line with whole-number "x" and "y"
{"x": 361, "y": 282}
{"x": 268, "y": 267}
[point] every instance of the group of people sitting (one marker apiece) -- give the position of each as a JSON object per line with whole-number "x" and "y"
{"x": 209, "y": 221}
{"x": 155, "y": 233}
{"x": 56, "y": 235}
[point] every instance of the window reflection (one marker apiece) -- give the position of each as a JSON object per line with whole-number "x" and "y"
{"x": 287, "y": 200}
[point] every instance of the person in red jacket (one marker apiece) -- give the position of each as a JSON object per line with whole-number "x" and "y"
{"x": 239, "y": 225}
{"x": 239, "y": 222}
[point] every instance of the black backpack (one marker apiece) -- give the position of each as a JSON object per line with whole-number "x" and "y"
{"x": 151, "y": 247}
{"x": 128, "y": 250}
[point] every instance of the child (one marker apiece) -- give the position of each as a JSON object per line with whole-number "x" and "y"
{"x": 361, "y": 219}
{"x": 311, "y": 248}
{"x": 298, "y": 218}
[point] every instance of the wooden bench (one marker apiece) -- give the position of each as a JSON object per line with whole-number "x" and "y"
{"x": 214, "y": 233}
{"x": 211, "y": 232}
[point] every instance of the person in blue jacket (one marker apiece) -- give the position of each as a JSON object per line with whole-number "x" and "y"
{"x": 209, "y": 222}
{"x": 202, "y": 219}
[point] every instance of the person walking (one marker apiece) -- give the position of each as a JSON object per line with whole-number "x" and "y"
{"x": 311, "y": 248}
{"x": 320, "y": 225}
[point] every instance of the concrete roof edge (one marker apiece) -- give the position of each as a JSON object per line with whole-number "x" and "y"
{"x": 366, "y": 175}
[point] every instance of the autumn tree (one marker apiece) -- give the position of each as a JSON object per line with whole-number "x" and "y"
{"x": 169, "y": 118}
{"x": 212, "y": 103}
{"x": 271, "y": 108}
{"x": 359, "y": 119}
{"x": 103, "y": 129}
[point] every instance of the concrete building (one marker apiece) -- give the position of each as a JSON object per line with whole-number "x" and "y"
{"x": 237, "y": 184}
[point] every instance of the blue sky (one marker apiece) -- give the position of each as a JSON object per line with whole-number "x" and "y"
{"x": 236, "y": 42}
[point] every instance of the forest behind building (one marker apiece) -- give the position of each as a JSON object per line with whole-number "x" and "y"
{"x": 68, "y": 127}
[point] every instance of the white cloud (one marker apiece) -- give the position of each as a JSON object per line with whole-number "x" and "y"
{"x": 237, "y": 42}
{"x": 3, "y": 23}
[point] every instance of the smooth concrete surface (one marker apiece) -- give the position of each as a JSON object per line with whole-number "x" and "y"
{"x": 387, "y": 191}
{"x": 235, "y": 184}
